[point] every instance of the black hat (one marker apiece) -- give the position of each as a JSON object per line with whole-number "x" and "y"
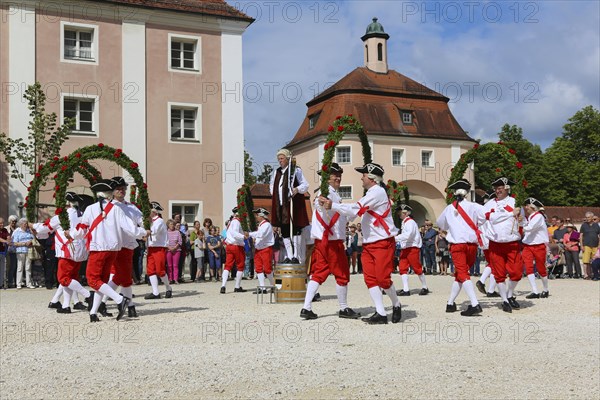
{"x": 460, "y": 184}
{"x": 263, "y": 212}
{"x": 156, "y": 206}
{"x": 84, "y": 200}
{"x": 235, "y": 209}
{"x": 489, "y": 196}
{"x": 534, "y": 201}
{"x": 103, "y": 185}
{"x": 371, "y": 168}
{"x": 404, "y": 207}
{"x": 119, "y": 181}
{"x": 502, "y": 181}
{"x": 334, "y": 168}
{"x": 71, "y": 196}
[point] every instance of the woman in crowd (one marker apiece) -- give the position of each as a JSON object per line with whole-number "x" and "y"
{"x": 214, "y": 245}
{"x": 571, "y": 243}
{"x": 174, "y": 243}
{"x": 443, "y": 251}
{"x": 199, "y": 248}
{"x": 185, "y": 246}
{"x": 22, "y": 239}
{"x": 277, "y": 244}
{"x": 11, "y": 256}
{"x": 194, "y": 233}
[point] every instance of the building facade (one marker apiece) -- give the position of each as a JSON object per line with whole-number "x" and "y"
{"x": 156, "y": 79}
{"x": 410, "y": 127}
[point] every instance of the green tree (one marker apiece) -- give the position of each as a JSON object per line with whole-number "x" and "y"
{"x": 583, "y": 130}
{"x": 265, "y": 175}
{"x": 249, "y": 178}
{"x": 44, "y": 139}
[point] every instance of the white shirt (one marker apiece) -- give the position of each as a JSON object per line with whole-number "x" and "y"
{"x": 111, "y": 232}
{"x": 158, "y": 233}
{"x": 410, "y": 236}
{"x": 72, "y": 250}
{"x": 535, "y": 229}
{"x": 302, "y": 182}
{"x": 376, "y": 201}
{"x": 503, "y": 226}
{"x": 263, "y": 237}
{"x": 136, "y": 216}
{"x": 458, "y": 229}
{"x": 338, "y": 231}
{"x": 235, "y": 234}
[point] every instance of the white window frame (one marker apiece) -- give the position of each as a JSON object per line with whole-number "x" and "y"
{"x": 197, "y": 125}
{"x": 197, "y": 53}
{"x": 182, "y": 203}
{"x": 312, "y": 120}
{"x": 95, "y": 114}
{"x": 64, "y": 25}
{"x": 351, "y": 192}
{"x": 402, "y": 159}
{"x": 410, "y": 115}
{"x": 431, "y": 159}
{"x": 337, "y": 149}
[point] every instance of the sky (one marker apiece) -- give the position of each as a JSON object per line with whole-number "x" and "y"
{"x": 528, "y": 63}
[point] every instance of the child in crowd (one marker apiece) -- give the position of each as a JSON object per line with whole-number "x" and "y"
{"x": 214, "y": 244}
{"x": 199, "y": 247}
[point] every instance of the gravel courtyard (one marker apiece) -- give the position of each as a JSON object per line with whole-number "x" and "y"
{"x": 201, "y": 344}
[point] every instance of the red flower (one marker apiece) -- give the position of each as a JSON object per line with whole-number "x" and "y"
{"x": 498, "y": 170}
{"x": 331, "y": 143}
{"x": 134, "y": 165}
{"x": 500, "y": 142}
{"x": 29, "y": 189}
{"x": 78, "y": 155}
{"x": 476, "y": 146}
{"x": 242, "y": 204}
{"x": 145, "y": 186}
{"x": 26, "y": 198}
{"x": 41, "y": 167}
{"x": 449, "y": 195}
{"x": 63, "y": 168}
{"x": 349, "y": 115}
{"x": 100, "y": 144}
{"x": 37, "y": 175}
{"x": 451, "y": 169}
{"x": 513, "y": 195}
{"x": 55, "y": 158}
{"x": 326, "y": 146}
{"x": 30, "y": 182}
{"x": 395, "y": 191}
{"x": 52, "y": 164}
{"x": 525, "y": 183}
{"x": 512, "y": 151}
{"x": 338, "y": 117}
{"x": 55, "y": 176}
{"x": 519, "y": 165}
{"x": 57, "y": 187}
{"x": 340, "y": 128}
{"x": 245, "y": 215}
{"x": 117, "y": 154}
{"x": 324, "y": 168}
{"x": 58, "y": 211}
{"x": 85, "y": 161}
{"x": 119, "y": 151}
{"x": 330, "y": 129}
{"x": 94, "y": 178}
{"x": 25, "y": 205}
{"x": 53, "y": 195}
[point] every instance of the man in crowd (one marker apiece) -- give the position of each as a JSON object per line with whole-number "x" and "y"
{"x": 429, "y": 237}
{"x": 590, "y": 238}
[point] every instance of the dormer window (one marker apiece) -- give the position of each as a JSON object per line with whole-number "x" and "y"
{"x": 312, "y": 120}
{"x": 407, "y": 118}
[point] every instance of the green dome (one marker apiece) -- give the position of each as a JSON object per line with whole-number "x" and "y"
{"x": 374, "y": 27}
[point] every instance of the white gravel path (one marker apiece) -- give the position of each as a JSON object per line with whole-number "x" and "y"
{"x": 201, "y": 344}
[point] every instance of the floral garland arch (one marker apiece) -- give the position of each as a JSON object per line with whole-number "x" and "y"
{"x": 511, "y": 167}
{"x": 73, "y": 162}
{"x": 341, "y": 126}
{"x": 89, "y": 172}
{"x": 245, "y": 206}
{"x": 398, "y": 194}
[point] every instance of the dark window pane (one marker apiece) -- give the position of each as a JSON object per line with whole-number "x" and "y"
{"x": 85, "y": 126}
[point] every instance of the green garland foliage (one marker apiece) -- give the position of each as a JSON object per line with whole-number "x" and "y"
{"x": 78, "y": 158}
{"x": 341, "y": 126}
{"x": 511, "y": 168}
{"x": 398, "y": 194}
{"x": 245, "y": 206}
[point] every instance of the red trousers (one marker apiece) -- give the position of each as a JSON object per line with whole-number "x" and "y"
{"x": 67, "y": 271}
{"x": 98, "y": 267}
{"x": 378, "y": 262}
{"x": 463, "y": 257}
{"x": 157, "y": 257}
{"x": 486, "y": 254}
{"x": 235, "y": 255}
{"x": 123, "y": 267}
{"x": 330, "y": 259}
{"x": 262, "y": 260}
{"x": 506, "y": 259}
{"x": 535, "y": 252}
{"x": 410, "y": 256}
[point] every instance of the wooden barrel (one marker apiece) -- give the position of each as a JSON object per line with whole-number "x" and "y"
{"x": 290, "y": 281}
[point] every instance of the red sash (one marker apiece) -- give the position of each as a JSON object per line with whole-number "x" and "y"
{"x": 469, "y": 221}
{"x": 47, "y": 224}
{"x": 99, "y": 218}
{"x": 327, "y": 228}
{"x": 65, "y": 246}
{"x": 379, "y": 219}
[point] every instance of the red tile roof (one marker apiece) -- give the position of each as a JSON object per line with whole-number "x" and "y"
{"x": 377, "y": 100}
{"x": 208, "y": 7}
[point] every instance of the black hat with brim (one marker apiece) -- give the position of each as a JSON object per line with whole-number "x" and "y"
{"x": 460, "y": 184}
{"x": 371, "y": 168}
{"x": 103, "y": 185}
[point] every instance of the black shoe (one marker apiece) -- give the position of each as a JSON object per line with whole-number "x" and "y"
{"x": 376, "y": 319}
{"x": 131, "y": 313}
{"x": 152, "y": 296}
{"x": 64, "y": 310}
{"x": 506, "y": 307}
{"x": 424, "y": 292}
{"x": 451, "y": 308}
{"x": 403, "y": 293}
{"x": 239, "y": 290}
{"x": 222, "y": 290}
{"x": 308, "y": 314}
{"x": 56, "y": 305}
{"x": 544, "y": 295}
{"x": 470, "y": 311}
{"x": 90, "y": 301}
{"x": 396, "y": 314}
{"x": 533, "y": 296}
{"x": 79, "y": 306}
{"x": 122, "y": 307}
{"x": 295, "y": 261}
{"x": 168, "y": 294}
{"x": 94, "y": 318}
{"x": 102, "y": 310}
{"x": 286, "y": 261}
{"x": 513, "y": 303}
{"x": 492, "y": 294}
{"x": 348, "y": 313}
{"x": 480, "y": 287}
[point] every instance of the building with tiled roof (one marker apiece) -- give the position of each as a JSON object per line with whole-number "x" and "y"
{"x": 410, "y": 127}
{"x": 146, "y": 76}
